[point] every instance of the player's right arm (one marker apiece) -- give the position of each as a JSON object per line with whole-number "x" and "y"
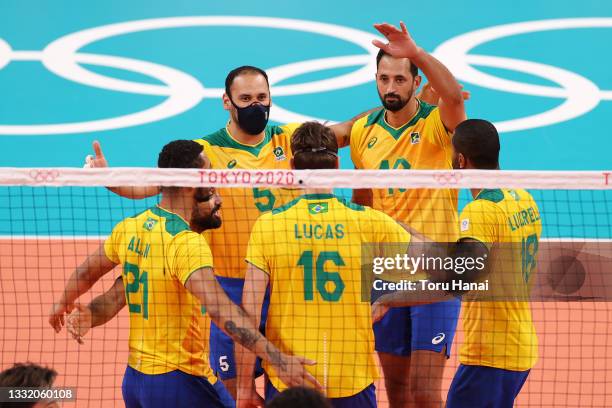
{"x": 237, "y": 324}
{"x": 133, "y": 192}
{"x": 255, "y": 284}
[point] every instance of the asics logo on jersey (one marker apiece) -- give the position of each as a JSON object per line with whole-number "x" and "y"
{"x": 372, "y": 142}
{"x": 231, "y": 164}
{"x": 415, "y": 138}
{"x": 438, "y": 339}
{"x": 279, "y": 153}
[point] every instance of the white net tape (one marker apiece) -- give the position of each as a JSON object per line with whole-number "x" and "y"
{"x": 128, "y": 176}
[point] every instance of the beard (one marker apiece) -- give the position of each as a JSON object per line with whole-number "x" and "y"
{"x": 201, "y": 223}
{"x": 394, "y": 102}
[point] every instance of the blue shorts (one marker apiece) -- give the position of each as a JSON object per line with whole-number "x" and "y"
{"x": 364, "y": 399}
{"x": 222, "y": 357}
{"x": 478, "y": 386}
{"x": 427, "y": 327}
{"x": 173, "y": 389}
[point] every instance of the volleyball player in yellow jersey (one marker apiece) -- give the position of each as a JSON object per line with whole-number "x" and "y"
{"x": 314, "y": 270}
{"x": 168, "y": 277}
{"x": 413, "y": 343}
{"x": 246, "y": 142}
{"x": 500, "y": 345}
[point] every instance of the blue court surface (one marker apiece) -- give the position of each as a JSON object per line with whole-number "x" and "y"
{"x": 138, "y": 74}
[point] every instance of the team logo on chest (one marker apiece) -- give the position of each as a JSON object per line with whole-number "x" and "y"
{"x": 279, "y": 153}
{"x": 231, "y": 164}
{"x": 149, "y": 224}
{"x": 415, "y": 137}
{"x": 317, "y": 208}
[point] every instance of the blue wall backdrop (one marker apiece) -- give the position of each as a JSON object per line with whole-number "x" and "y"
{"x": 137, "y": 74}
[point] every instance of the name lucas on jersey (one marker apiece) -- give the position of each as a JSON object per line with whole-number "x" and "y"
{"x": 318, "y": 231}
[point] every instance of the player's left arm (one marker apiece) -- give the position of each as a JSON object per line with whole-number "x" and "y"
{"x": 82, "y": 279}
{"x": 342, "y": 130}
{"x": 401, "y": 45}
{"x": 102, "y": 309}
{"x": 255, "y": 284}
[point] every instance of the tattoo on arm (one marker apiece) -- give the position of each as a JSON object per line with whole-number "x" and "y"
{"x": 276, "y": 357}
{"x": 246, "y": 337}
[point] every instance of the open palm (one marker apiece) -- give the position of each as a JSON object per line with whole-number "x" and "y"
{"x": 400, "y": 45}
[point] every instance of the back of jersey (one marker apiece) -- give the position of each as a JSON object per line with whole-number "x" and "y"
{"x": 158, "y": 252}
{"x": 500, "y": 332}
{"x": 311, "y": 250}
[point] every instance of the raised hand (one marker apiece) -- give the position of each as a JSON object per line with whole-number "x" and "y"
{"x": 79, "y": 322}
{"x": 98, "y": 160}
{"x": 400, "y": 45}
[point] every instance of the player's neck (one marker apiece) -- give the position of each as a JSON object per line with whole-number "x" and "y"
{"x": 401, "y": 117}
{"x": 318, "y": 191}
{"x": 177, "y": 204}
{"x": 241, "y": 136}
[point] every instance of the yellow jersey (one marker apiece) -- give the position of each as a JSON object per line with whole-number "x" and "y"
{"x": 501, "y": 333}
{"x": 242, "y": 206}
{"x": 315, "y": 267}
{"x": 158, "y": 253}
{"x": 422, "y": 143}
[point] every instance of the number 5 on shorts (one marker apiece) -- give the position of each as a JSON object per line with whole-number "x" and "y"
{"x": 223, "y": 364}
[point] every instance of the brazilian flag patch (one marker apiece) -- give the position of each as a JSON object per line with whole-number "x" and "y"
{"x": 149, "y": 224}
{"x": 318, "y": 208}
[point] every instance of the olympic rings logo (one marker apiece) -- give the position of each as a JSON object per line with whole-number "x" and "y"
{"x": 43, "y": 175}
{"x": 448, "y": 178}
{"x": 183, "y": 92}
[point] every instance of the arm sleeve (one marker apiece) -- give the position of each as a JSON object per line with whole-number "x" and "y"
{"x": 355, "y": 142}
{"x": 187, "y": 253}
{"x": 255, "y": 250}
{"x": 111, "y": 249}
{"x": 480, "y": 220}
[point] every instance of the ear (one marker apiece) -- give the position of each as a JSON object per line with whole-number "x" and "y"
{"x": 337, "y": 162}
{"x": 417, "y": 81}
{"x": 292, "y": 164}
{"x": 462, "y": 161}
{"x": 227, "y": 104}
